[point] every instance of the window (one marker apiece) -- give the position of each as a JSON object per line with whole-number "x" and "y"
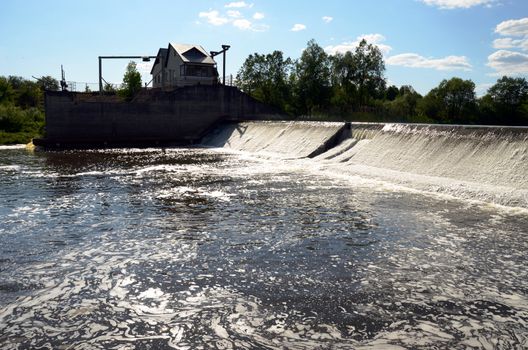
{"x": 197, "y": 71}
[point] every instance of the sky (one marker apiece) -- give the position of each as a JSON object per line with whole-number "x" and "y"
{"x": 423, "y": 41}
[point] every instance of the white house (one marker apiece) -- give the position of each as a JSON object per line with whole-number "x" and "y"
{"x": 182, "y": 65}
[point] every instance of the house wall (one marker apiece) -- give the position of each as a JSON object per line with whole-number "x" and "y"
{"x": 180, "y": 116}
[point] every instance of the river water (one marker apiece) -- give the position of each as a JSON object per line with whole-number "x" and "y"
{"x": 209, "y": 248}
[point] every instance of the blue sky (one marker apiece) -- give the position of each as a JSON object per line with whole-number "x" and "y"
{"x": 423, "y": 41}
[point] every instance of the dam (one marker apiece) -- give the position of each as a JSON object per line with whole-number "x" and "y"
{"x": 270, "y": 235}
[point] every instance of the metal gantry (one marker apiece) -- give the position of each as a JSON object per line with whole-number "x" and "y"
{"x": 144, "y": 58}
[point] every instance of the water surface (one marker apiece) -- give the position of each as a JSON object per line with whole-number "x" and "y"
{"x": 201, "y": 248}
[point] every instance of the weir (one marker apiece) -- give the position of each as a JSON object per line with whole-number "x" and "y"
{"x": 488, "y": 163}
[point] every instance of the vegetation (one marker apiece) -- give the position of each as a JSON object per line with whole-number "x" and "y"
{"x": 131, "y": 82}
{"x": 352, "y": 86}
{"x": 22, "y": 108}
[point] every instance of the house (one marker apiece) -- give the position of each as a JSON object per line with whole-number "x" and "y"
{"x": 183, "y": 65}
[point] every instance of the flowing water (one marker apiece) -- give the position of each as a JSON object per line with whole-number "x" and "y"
{"x": 212, "y": 248}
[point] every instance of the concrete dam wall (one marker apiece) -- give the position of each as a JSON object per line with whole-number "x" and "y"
{"x": 476, "y": 162}
{"x": 180, "y": 116}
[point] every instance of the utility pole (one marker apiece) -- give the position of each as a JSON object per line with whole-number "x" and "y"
{"x": 223, "y": 52}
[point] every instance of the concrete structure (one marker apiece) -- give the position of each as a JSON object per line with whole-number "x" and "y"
{"x": 183, "y": 65}
{"x": 180, "y": 116}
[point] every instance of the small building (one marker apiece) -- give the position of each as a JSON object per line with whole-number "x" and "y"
{"x": 183, "y": 65}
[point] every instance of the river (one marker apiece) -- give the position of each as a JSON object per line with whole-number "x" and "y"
{"x": 211, "y": 248}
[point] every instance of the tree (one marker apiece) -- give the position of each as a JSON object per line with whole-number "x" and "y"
{"x": 48, "y": 83}
{"x": 265, "y": 77}
{"x": 109, "y": 89}
{"x": 131, "y": 82}
{"x": 391, "y": 93}
{"x": 6, "y": 91}
{"x": 312, "y": 79}
{"x": 367, "y": 71}
{"x": 507, "y": 100}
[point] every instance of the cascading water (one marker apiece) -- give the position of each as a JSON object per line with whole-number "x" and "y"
{"x": 473, "y": 162}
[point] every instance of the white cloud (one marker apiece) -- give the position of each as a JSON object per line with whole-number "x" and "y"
{"x": 234, "y": 13}
{"x": 506, "y": 62}
{"x": 234, "y": 17}
{"x": 298, "y": 27}
{"x": 513, "y": 27}
{"x": 375, "y": 39}
{"x": 453, "y": 4}
{"x": 258, "y": 15}
{"x": 144, "y": 67}
{"x": 327, "y": 19}
{"x": 509, "y": 43}
{"x": 416, "y": 61}
{"x": 238, "y": 4}
{"x": 243, "y": 24}
{"x": 214, "y": 18}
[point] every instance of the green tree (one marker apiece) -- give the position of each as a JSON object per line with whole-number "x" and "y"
{"x": 48, "y": 83}
{"x": 404, "y": 106}
{"x": 391, "y": 93}
{"x": 109, "y": 89}
{"x": 266, "y": 77}
{"x": 508, "y": 100}
{"x": 131, "y": 82}
{"x": 452, "y": 101}
{"x": 368, "y": 71}
{"x": 6, "y": 91}
{"x": 312, "y": 80}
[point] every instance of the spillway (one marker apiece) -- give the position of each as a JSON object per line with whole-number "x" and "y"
{"x": 473, "y": 162}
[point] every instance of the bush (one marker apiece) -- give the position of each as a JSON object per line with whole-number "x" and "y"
{"x": 23, "y": 124}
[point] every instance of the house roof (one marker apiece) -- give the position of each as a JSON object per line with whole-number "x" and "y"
{"x": 162, "y": 53}
{"x": 192, "y": 53}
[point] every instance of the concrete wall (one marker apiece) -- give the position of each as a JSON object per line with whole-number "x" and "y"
{"x": 180, "y": 116}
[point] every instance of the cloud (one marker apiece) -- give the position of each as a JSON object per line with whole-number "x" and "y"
{"x": 243, "y": 24}
{"x": 234, "y": 13}
{"x": 327, "y": 19}
{"x": 414, "y": 60}
{"x": 509, "y": 43}
{"x": 298, "y": 27}
{"x": 213, "y": 17}
{"x": 513, "y": 27}
{"x": 238, "y": 4}
{"x": 506, "y": 62}
{"x": 453, "y": 4}
{"x": 234, "y": 17}
{"x": 375, "y": 39}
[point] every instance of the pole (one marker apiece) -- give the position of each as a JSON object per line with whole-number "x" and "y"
{"x": 100, "y": 76}
{"x": 223, "y": 59}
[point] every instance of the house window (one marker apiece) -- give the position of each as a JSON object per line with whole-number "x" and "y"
{"x": 198, "y": 71}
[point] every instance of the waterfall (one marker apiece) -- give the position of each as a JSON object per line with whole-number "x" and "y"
{"x": 475, "y": 162}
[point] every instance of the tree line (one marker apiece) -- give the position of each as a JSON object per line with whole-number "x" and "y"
{"x": 352, "y": 86}
{"x": 22, "y": 108}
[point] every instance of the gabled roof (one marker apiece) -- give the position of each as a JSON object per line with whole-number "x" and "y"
{"x": 192, "y": 53}
{"x": 162, "y": 54}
